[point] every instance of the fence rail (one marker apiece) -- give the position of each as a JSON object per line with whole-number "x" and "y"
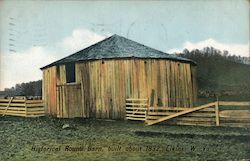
{"x": 21, "y": 106}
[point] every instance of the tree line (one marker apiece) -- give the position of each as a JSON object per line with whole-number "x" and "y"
{"x": 33, "y": 88}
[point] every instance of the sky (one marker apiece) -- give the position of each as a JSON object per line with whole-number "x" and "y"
{"x": 36, "y": 33}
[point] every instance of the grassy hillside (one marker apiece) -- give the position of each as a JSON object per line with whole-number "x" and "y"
{"x": 220, "y": 75}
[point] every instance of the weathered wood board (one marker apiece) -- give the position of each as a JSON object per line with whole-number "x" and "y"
{"x": 105, "y": 85}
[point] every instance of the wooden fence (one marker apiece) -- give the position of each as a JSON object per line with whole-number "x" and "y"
{"x": 20, "y": 106}
{"x": 231, "y": 116}
{"x": 219, "y": 113}
{"x": 136, "y": 109}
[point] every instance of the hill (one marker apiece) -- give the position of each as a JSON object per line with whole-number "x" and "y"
{"x": 219, "y": 73}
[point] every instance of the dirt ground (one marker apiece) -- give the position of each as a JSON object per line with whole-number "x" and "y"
{"x": 44, "y": 139}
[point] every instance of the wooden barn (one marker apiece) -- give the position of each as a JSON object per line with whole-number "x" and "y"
{"x": 95, "y": 82}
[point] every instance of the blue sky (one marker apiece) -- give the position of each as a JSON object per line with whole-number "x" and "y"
{"x": 35, "y": 33}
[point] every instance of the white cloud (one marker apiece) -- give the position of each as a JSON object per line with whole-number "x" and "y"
{"x": 81, "y": 38}
{"x": 25, "y": 66}
{"x": 234, "y": 49}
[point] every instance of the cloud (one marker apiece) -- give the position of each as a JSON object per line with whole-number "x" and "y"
{"x": 234, "y": 49}
{"x": 25, "y": 66}
{"x": 81, "y": 38}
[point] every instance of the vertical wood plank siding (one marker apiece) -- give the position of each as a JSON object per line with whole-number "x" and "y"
{"x": 193, "y": 81}
{"x": 49, "y": 90}
{"x": 103, "y": 85}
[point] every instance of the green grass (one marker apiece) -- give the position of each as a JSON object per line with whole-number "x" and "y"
{"x": 137, "y": 141}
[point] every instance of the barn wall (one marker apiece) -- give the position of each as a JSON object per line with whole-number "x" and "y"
{"x": 101, "y": 87}
{"x": 49, "y": 89}
{"x": 106, "y": 84}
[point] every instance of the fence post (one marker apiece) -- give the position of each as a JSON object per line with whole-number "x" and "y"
{"x": 148, "y": 105}
{"x": 217, "y": 117}
{"x": 6, "y": 109}
{"x": 26, "y": 111}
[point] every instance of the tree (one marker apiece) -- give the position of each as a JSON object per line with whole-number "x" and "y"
{"x": 33, "y": 88}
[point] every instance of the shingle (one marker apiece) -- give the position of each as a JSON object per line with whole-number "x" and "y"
{"x": 116, "y": 47}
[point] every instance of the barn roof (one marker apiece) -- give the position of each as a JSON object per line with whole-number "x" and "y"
{"x": 117, "y": 47}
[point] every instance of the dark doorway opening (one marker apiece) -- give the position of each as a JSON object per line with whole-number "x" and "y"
{"x": 70, "y": 73}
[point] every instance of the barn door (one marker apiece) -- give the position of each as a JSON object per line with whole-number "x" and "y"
{"x": 69, "y": 101}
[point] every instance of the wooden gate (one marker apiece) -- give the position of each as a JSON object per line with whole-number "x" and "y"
{"x": 69, "y": 101}
{"x": 211, "y": 114}
{"x": 136, "y": 109}
{"x": 202, "y": 115}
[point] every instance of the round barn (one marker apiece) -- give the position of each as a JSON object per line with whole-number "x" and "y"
{"x": 96, "y": 81}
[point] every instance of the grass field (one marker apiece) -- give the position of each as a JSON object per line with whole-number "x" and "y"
{"x": 45, "y": 139}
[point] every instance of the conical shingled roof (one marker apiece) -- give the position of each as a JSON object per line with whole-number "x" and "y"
{"x": 116, "y": 47}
